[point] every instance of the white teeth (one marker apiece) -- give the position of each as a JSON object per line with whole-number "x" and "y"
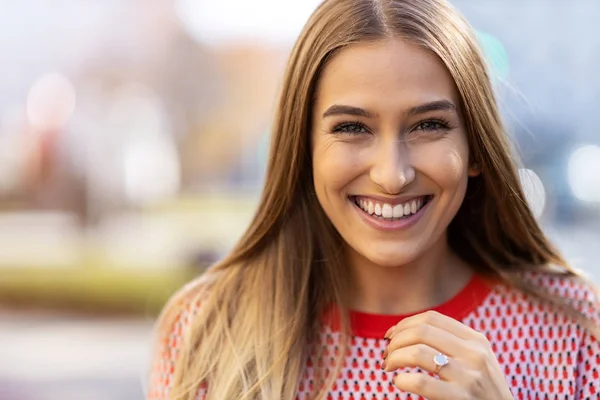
{"x": 398, "y": 211}
{"x": 386, "y": 211}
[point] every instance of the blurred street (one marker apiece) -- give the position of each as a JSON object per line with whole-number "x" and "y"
{"x": 50, "y": 357}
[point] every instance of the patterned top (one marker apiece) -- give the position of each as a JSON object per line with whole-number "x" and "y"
{"x": 544, "y": 353}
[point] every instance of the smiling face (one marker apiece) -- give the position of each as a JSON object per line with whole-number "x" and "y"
{"x": 390, "y": 153}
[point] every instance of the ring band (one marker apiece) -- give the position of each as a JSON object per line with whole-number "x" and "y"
{"x": 440, "y": 360}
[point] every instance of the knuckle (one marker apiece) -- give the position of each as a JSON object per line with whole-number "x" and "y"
{"x": 465, "y": 395}
{"x": 479, "y": 358}
{"x": 420, "y": 383}
{"x": 429, "y": 316}
{"x": 422, "y": 332}
{"x": 481, "y": 337}
{"x": 474, "y": 384}
{"x": 419, "y": 352}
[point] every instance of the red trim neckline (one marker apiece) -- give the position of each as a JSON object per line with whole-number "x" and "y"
{"x": 367, "y": 325}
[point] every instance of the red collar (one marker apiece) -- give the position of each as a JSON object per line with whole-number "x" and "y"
{"x": 368, "y": 325}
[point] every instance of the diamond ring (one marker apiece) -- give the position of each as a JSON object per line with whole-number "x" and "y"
{"x": 440, "y": 360}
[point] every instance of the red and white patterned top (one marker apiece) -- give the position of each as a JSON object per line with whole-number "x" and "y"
{"x": 544, "y": 353}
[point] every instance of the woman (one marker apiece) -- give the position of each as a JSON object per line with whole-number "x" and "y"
{"x": 392, "y": 255}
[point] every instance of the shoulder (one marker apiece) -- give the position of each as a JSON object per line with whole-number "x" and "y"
{"x": 184, "y": 307}
{"x": 172, "y": 327}
{"x": 576, "y": 291}
{"x": 569, "y": 299}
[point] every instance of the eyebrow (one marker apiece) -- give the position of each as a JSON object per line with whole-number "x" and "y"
{"x": 340, "y": 109}
{"x": 439, "y": 105}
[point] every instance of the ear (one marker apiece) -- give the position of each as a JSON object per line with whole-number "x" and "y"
{"x": 474, "y": 170}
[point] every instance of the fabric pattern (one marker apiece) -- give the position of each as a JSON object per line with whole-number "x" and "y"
{"x": 544, "y": 353}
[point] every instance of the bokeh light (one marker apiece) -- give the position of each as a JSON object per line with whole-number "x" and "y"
{"x": 584, "y": 173}
{"x": 535, "y": 193}
{"x": 151, "y": 171}
{"x": 272, "y": 21}
{"x": 149, "y": 166}
{"x": 496, "y": 55}
{"x": 51, "y": 102}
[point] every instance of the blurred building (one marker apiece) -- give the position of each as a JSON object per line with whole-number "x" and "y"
{"x": 112, "y": 109}
{"x": 148, "y": 112}
{"x": 550, "y": 50}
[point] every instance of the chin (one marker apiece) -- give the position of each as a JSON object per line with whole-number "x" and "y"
{"x": 390, "y": 259}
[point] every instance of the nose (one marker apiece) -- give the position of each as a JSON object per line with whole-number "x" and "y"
{"x": 392, "y": 169}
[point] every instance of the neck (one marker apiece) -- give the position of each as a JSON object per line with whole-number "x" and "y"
{"x": 426, "y": 282}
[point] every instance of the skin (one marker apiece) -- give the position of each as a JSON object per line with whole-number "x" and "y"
{"x": 394, "y": 150}
{"x": 473, "y": 372}
{"x": 392, "y": 155}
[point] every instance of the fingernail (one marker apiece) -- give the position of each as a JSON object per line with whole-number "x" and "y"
{"x": 383, "y": 364}
{"x": 388, "y": 333}
{"x": 385, "y": 353}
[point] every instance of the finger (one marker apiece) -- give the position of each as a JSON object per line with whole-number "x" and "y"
{"x": 422, "y": 356}
{"x": 440, "y": 339}
{"x": 441, "y": 321}
{"x": 426, "y": 386}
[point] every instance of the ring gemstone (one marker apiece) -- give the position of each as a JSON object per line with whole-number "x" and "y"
{"x": 440, "y": 360}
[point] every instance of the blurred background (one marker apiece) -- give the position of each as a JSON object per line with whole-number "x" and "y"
{"x": 133, "y": 141}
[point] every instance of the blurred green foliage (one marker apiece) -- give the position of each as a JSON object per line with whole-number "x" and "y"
{"x": 92, "y": 290}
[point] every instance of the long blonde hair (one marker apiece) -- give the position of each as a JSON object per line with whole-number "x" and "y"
{"x": 260, "y": 306}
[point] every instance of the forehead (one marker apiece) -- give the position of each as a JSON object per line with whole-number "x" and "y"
{"x": 388, "y": 74}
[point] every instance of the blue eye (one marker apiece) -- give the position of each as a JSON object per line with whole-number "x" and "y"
{"x": 351, "y": 128}
{"x": 432, "y": 125}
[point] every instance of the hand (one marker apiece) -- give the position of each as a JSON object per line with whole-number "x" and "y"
{"x": 471, "y": 373}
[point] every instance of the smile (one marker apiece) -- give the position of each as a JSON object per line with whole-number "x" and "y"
{"x": 389, "y": 211}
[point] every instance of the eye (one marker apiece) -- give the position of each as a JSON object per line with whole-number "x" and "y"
{"x": 432, "y": 125}
{"x": 350, "y": 128}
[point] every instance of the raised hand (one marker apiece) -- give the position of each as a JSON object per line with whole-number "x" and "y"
{"x": 461, "y": 357}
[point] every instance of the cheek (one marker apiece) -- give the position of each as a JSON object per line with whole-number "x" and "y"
{"x": 454, "y": 165}
{"x": 450, "y": 166}
{"x": 334, "y": 166}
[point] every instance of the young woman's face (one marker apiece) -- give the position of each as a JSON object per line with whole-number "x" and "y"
{"x": 390, "y": 153}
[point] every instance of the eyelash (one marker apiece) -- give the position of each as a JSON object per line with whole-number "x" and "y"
{"x": 344, "y": 127}
{"x": 442, "y": 124}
